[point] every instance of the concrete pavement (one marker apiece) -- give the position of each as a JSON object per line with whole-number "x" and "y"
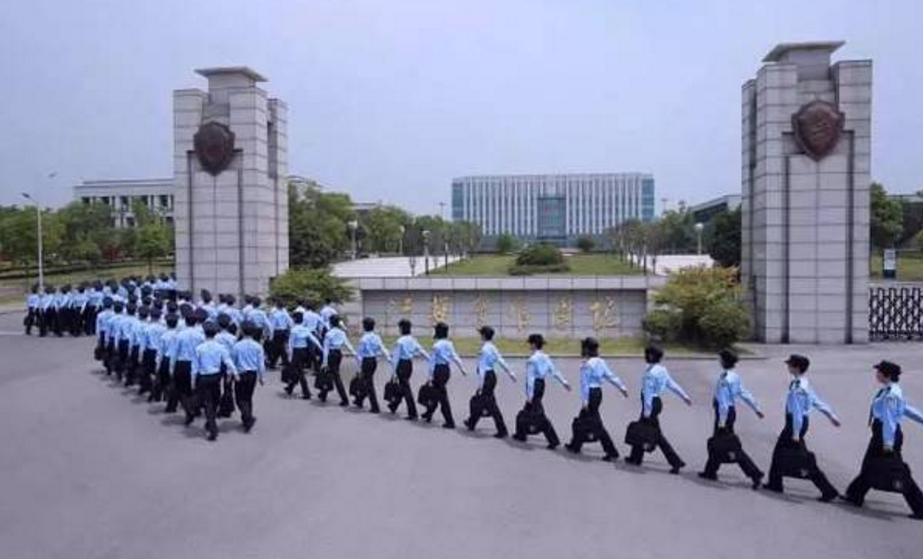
{"x": 87, "y": 469}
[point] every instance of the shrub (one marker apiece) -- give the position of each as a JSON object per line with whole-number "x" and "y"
{"x": 540, "y": 255}
{"x": 701, "y": 306}
{"x": 506, "y": 243}
{"x": 517, "y": 270}
{"x": 586, "y": 244}
{"x": 314, "y": 285}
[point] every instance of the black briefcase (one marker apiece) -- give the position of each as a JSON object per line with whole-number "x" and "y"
{"x": 529, "y": 421}
{"x": 226, "y": 405}
{"x": 888, "y": 473}
{"x": 356, "y": 387}
{"x": 643, "y": 434}
{"x": 323, "y": 381}
{"x": 479, "y": 401}
{"x": 427, "y": 397}
{"x": 289, "y": 374}
{"x": 393, "y": 392}
{"x": 587, "y": 427}
{"x": 725, "y": 447}
{"x": 796, "y": 462}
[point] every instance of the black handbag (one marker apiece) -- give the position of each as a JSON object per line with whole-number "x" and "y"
{"x": 643, "y": 434}
{"x": 725, "y": 447}
{"x": 529, "y": 421}
{"x": 587, "y": 427}
{"x": 888, "y": 473}
{"x": 393, "y": 392}
{"x": 427, "y": 397}
{"x": 356, "y": 387}
{"x": 289, "y": 374}
{"x": 323, "y": 381}
{"x": 479, "y": 401}
{"x": 226, "y": 404}
{"x": 796, "y": 462}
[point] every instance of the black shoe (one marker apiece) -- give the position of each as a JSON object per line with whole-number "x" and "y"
{"x": 376, "y": 410}
{"x": 501, "y": 435}
{"x": 468, "y": 425}
{"x": 675, "y": 469}
{"x": 428, "y": 419}
{"x": 289, "y": 391}
{"x": 851, "y": 501}
{"x": 520, "y": 438}
{"x": 757, "y": 481}
{"x": 915, "y": 516}
{"x": 773, "y": 488}
{"x": 410, "y": 418}
{"x": 610, "y": 458}
{"x": 710, "y": 477}
{"x": 189, "y": 420}
{"x": 827, "y": 498}
{"x": 305, "y": 396}
{"x": 448, "y": 426}
{"x": 552, "y": 446}
{"x": 213, "y": 435}
{"x": 572, "y": 449}
{"x": 344, "y": 403}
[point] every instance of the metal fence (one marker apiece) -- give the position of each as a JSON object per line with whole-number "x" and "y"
{"x": 896, "y": 313}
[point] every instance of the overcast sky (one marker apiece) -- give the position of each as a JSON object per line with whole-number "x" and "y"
{"x": 390, "y": 99}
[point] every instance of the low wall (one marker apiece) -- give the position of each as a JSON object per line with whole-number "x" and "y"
{"x": 515, "y": 306}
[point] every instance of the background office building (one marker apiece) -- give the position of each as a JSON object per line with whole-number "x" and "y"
{"x": 121, "y": 195}
{"x": 556, "y": 209}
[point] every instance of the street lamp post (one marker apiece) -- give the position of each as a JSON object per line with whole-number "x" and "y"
{"x": 698, "y": 233}
{"x": 426, "y": 252}
{"x": 38, "y": 219}
{"x": 400, "y": 242}
{"x": 353, "y": 226}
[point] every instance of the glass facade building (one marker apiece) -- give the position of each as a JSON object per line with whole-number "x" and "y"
{"x": 552, "y": 208}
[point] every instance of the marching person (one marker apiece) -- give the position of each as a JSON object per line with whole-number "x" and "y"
{"x": 369, "y": 348}
{"x": 727, "y": 390}
{"x": 443, "y": 354}
{"x": 887, "y": 410}
{"x": 799, "y": 402}
{"x": 162, "y": 384}
{"x": 335, "y": 341}
{"x": 327, "y": 312}
{"x": 33, "y": 303}
{"x": 538, "y": 367}
{"x": 250, "y": 361}
{"x": 405, "y": 350}
{"x": 153, "y": 332}
{"x": 280, "y": 324}
{"x": 183, "y": 355}
{"x": 211, "y": 357}
{"x": 654, "y": 381}
{"x": 101, "y": 329}
{"x": 593, "y": 372}
{"x": 301, "y": 342}
{"x": 47, "y": 314}
{"x": 489, "y": 359}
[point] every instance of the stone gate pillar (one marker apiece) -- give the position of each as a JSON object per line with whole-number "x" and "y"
{"x": 806, "y": 175}
{"x": 231, "y": 200}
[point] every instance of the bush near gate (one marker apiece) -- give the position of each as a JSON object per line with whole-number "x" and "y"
{"x": 700, "y": 306}
{"x": 313, "y": 285}
{"x": 538, "y": 259}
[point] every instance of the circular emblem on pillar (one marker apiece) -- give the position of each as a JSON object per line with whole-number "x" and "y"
{"x": 214, "y": 146}
{"x": 817, "y": 127}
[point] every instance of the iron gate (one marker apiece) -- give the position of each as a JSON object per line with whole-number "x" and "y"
{"x": 895, "y": 313}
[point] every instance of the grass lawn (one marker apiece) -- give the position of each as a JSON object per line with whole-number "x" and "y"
{"x": 909, "y": 267}
{"x": 580, "y": 265}
{"x": 13, "y": 290}
{"x": 612, "y": 347}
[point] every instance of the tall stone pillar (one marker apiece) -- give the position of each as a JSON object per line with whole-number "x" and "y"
{"x": 806, "y": 174}
{"x": 231, "y": 202}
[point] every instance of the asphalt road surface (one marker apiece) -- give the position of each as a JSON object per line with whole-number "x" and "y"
{"x": 87, "y": 469}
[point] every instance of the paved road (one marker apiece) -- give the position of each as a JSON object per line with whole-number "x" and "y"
{"x": 88, "y": 470}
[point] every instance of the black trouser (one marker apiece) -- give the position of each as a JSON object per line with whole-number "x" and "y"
{"x": 334, "y": 358}
{"x": 111, "y": 357}
{"x": 147, "y": 370}
{"x": 860, "y": 486}
{"x": 785, "y": 441}
{"x": 637, "y": 452}
{"x": 535, "y": 406}
{"x": 31, "y": 320}
{"x": 597, "y": 427}
{"x": 487, "y": 401}
{"x": 58, "y": 324}
{"x": 300, "y": 357}
{"x": 367, "y": 370}
{"x": 277, "y": 348}
{"x": 743, "y": 459}
{"x": 182, "y": 389}
{"x": 441, "y": 376}
{"x": 75, "y": 325}
{"x": 162, "y": 387}
{"x": 243, "y": 394}
{"x": 208, "y": 393}
{"x": 89, "y": 320}
{"x": 134, "y": 360}
{"x": 47, "y": 323}
{"x": 404, "y": 371}
{"x": 122, "y": 364}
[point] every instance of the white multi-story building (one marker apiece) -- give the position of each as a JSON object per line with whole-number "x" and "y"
{"x": 557, "y": 209}
{"x": 121, "y": 195}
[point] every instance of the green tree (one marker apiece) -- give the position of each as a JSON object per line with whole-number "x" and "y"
{"x": 886, "y": 218}
{"x": 17, "y": 236}
{"x": 314, "y": 285}
{"x": 506, "y": 243}
{"x": 318, "y": 233}
{"x": 152, "y": 242}
{"x": 464, "y": 237}
{"x": 87, "y": 228}
{"x": 437, "y": 228}
{"x": 383, "y": 228}
{"x": 676, "y": 232}
{"x": 722, "y": 235}
{"x": 586, "y": 244}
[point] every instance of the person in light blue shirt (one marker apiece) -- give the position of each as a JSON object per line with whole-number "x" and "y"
{"x": 110, "y": 327}
{"x": 654, "y": 381}
{"x": 539, "y": 367}
{"x": 484, "y": 402}
{"x": 335, "y": 343}
{"x": 33, "y": 305}
{"x": 102, "y": 319}
{"x": 136, "y": 337}
{"x": 184, "y": 354}
{"x": 302, "y": 343}
{"x": 281, "y": 324}
{"x": 589, "y": 423}
{"x": 60, "y": 303}
{"x": 153, "y": 331}
{"x": 442, "y": 356}
{"x": 211, "y": 363}
{"x": 327, "y": 312}
{"x": 123, "y": 337}
{"x": 79, "y": 304}
{"x": 799, "y": 402}
{"x": 257, "y": 316}
{"x": 887, "y": 411}
{"x": 728, "y": 389}
{"x": 406, "y": 349}
{"x": 367, "y": 352}
{"x": 165, "y": 346}
{"x": 250, "y": 361}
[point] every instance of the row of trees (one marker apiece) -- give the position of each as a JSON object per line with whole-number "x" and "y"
{"x": 82, "y": 234}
